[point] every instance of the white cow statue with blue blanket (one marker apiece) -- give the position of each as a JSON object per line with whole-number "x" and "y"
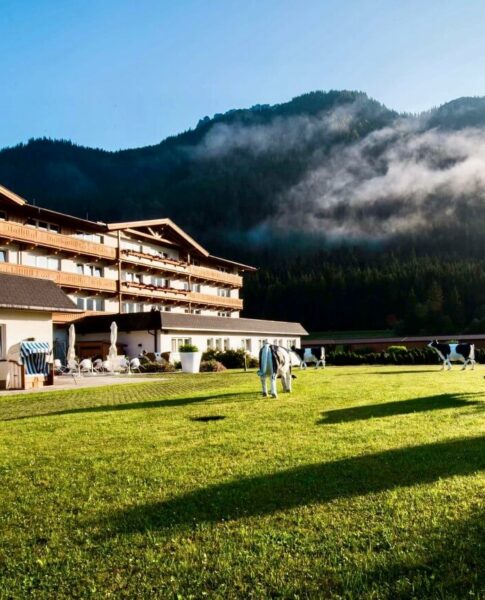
{"x": 274, "y": 362}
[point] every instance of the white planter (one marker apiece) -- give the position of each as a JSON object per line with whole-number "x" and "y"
{"x": 190, "y": 361}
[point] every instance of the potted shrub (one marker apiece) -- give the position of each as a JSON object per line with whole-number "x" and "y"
{"x": 190, "y": 358}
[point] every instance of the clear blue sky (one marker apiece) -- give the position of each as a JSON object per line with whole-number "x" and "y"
{"x": 126, "y": 73}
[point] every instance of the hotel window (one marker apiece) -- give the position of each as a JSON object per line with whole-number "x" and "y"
{"x": 3, "y": 255}
{"x": 43, "y": 262}
{"x": 43, "y": 225}
{"x": 219, "y": 344}
{"x": 223, "y": 269}
{"x": 227, "y": 344}
{"x": 177, "y": 342}
{"x": 224, "y": 292}
{"x": 196, "y": 287}
{"x": 53, "y": 263}
{"x": 89, "y": 270}
{"x": 196, "y": 311}
{"x": 160, "y": 281}
{"x": 90, "y": 237}
{"x": 135, "y": 277}
{"x": 3, "y": 216}
{"x": 210, "y": 343}
{"x": 132, "y": 307}
{"x": 90, "y": 303}
{"x": 246, "y": 344}
{"x": 223, "y": 314}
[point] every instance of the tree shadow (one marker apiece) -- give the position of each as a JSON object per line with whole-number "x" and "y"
{"x": 310, "y": 484}
{"x": 400, "y": 407}
{"x": 165, "y": 403}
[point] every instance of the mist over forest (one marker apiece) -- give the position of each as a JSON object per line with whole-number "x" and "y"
{"x": 359, "y": 217}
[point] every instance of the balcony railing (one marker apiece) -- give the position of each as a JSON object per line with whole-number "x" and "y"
{"x": 153, "y": 261}
{"x": 152, "y": 291}
{"x": 57, "y": 241}
{"x": 210, "y": 300}
{"x": 71, "y": 280}
{"x": 207, "y": 274}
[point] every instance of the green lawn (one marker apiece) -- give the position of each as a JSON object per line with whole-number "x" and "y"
{"x": 365, "y": 482}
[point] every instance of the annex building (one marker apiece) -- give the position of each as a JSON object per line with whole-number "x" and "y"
{"x": 137, "y": 268}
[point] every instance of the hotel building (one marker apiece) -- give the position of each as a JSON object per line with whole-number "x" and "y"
{"x": 133, "y": 267}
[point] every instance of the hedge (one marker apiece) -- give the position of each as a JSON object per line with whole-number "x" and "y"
{"x": 415, "y": 356}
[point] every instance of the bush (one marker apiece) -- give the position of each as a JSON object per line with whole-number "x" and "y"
{"x": 211, "y": 366}
{"x": 157, "y": 367}
{"x": 188, "y": 348}
{"x": 397, "y": 349}
{"x": 415, "y": 356}
{"x": 231, "y": 359}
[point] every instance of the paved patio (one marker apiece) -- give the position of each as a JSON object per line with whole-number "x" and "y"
{"x": 66, "y": 382}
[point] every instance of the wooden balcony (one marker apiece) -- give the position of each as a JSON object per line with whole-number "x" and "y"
{"x": 55, "y": 241}
{"x": 153, "y": 262}
{"x": 206, "y": 274}
{"x": 69, "y": 280}
{"x": 216, "y": 301}
{"x": 153, "y": 292}
{"x": 60, "y": 317}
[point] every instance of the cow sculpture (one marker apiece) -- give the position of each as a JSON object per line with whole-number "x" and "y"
{"x": 274, "y": 362}
{"x": 455, "y": 352}
{"x": 310, "y": 355}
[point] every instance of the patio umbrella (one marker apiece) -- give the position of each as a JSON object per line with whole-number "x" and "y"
{"x": 113, "y": 351}
{"x": 71, "y": 352}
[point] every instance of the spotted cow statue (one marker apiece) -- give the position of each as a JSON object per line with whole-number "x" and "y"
{"x": 274, "y": 362}
{"x": 454, "y": 352}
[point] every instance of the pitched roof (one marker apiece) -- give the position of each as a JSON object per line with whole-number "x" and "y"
{"x": 170, "y": 321}
{"x": 11, "y": 196}
{"x": 30, "y": 293}
{"x": 130, "y": 225}
{"x": 188, "y": 322}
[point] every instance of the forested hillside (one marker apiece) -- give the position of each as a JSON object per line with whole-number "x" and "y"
{"x": 358, "y": 216}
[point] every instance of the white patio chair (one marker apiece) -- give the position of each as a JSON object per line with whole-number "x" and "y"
{"x": 124, "y": 365}
{"x": 59, "y": 368}
{"x": 135, "y": 365}
{"x": 107, "y": 366}
{"x": 98, "y": 365}
{"x": 72, "y": 367}
{"x": 86, "y": 366}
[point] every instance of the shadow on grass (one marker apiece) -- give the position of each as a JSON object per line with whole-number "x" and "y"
{"x": 401, "y": 407}
{"x": 166, "y": 403}
{"x": 310, "y": 484}
{"x": 207, "y": 418}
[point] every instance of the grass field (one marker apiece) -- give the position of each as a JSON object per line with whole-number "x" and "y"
{"x": 365, "y": 482}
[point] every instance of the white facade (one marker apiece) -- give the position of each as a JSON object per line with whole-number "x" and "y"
{"x": 135, "y": 342}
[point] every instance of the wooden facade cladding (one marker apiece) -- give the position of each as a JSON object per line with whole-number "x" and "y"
{"x": 70, "y": 280}
{"x": 55, "y": 241}
{"x": 216, "y": 301}
{"x": 154, "y": 263}
{"x": 148, "y": 291}
{"x": 61, "y": 317}
{"x": 180, "y": 296}
{"x": 205, "y": 273}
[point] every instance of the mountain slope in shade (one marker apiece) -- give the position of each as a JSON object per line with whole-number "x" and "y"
{"x": 334, "y": 167}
